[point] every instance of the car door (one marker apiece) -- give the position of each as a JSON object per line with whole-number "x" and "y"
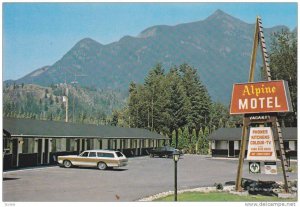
{"x": 93, "y": 160}
{"x": 81, "y": 159}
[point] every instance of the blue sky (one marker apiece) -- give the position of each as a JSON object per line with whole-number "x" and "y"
{"x": 39, "y": 34}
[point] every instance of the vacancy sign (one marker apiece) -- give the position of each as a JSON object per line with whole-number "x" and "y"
{"x": 260, "y": 97}
{"x": 261, "y": 144}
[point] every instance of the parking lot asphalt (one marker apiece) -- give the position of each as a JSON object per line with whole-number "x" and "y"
{"x": 142, "y": 177}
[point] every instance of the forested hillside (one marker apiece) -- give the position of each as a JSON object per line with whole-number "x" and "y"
{"x": 85, "y": 105}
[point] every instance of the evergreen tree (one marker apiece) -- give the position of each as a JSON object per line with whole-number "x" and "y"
{"x": 198, "y": 98}
{"x": 114, "y": 121}
{"x": 177, "y": 105}
{"x": 283, "y": 64}
{"x": 155, "y": 98}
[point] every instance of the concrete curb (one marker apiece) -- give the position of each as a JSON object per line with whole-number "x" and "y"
{"x": 200, "y": 189}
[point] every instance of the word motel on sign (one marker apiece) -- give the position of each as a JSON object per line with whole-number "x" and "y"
{"x": 259, "y": 103}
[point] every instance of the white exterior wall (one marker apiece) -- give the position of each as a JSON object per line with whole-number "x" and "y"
{"x": 118, "y": 144}
{"x": 236, "y": 145}
{"x": 213, "y": 144}
{"x": 43, "y": 150}
{"x": 63, "y": 144}
{"x": 104, "y": 143}
{"x": 292, "y": 145}
{"x": 96, "y": 144}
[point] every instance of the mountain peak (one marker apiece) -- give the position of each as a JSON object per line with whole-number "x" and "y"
{"x": 219, "y": 12}
{"x": 221, "y": 16}
{"x": 86, "y": 44}
{"x": 88, "y": 41}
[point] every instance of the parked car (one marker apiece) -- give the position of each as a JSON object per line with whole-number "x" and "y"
{"x": 102, "y": 159}
{"x": 165, "y": 151}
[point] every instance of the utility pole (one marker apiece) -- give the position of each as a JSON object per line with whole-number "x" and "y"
{"x": 74, "y": 82}
{"x": 66, "y": 100}
{"x": 67, "y": 105}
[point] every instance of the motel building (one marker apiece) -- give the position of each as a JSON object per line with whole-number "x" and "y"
{"x": 28, "y": 142}
{"x": 226, "y": 142}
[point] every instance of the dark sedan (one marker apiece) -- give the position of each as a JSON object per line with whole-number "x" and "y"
{"x": 165, "y": 151}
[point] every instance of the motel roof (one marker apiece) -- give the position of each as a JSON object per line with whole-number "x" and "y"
{"x": 56, "y": 129}
{"x": 234, "y": 134}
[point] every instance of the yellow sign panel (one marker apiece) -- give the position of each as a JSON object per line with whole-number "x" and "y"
{"x": 261, "y": 144}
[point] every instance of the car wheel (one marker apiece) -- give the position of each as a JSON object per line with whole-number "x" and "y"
{"x": 151, "y": 155}
{"x": 67, "y": 164}
{"x": 102, "y": 166}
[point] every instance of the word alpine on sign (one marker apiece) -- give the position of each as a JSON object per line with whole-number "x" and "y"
{"x": 260, "y": 97}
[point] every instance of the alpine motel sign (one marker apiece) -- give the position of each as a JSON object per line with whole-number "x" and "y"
{"x": 260, "y": 97}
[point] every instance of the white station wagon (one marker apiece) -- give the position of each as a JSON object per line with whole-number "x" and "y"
{"x": 94, "y": 158}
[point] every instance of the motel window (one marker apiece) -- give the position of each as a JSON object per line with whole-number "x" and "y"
{"x": 28, "y": 146}
{"x": 54, "y": 145}
{"x": 25, "y": 146}
{"x": 6, "y": 144}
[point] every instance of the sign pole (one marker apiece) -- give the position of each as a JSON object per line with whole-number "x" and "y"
{"x": 238, "y": 183}
{"x": 254, "y": 53}
{"x": 281, "y": 151}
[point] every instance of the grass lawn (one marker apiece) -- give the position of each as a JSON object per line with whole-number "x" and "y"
{"x": 222, "y": 196}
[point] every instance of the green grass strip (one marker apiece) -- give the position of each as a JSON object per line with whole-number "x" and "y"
{"x": 222, "y": 197}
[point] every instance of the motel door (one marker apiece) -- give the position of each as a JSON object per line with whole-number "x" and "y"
{"x": 14, "y": 152}
{"x": 40, "y": 151}
{"x": 78, "y": 145}
{"x": 231, "y": 149}
{"x": 46, "y": 151}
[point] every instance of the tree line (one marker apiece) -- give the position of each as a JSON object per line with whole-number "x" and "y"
{"x": 175, "y": 103}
